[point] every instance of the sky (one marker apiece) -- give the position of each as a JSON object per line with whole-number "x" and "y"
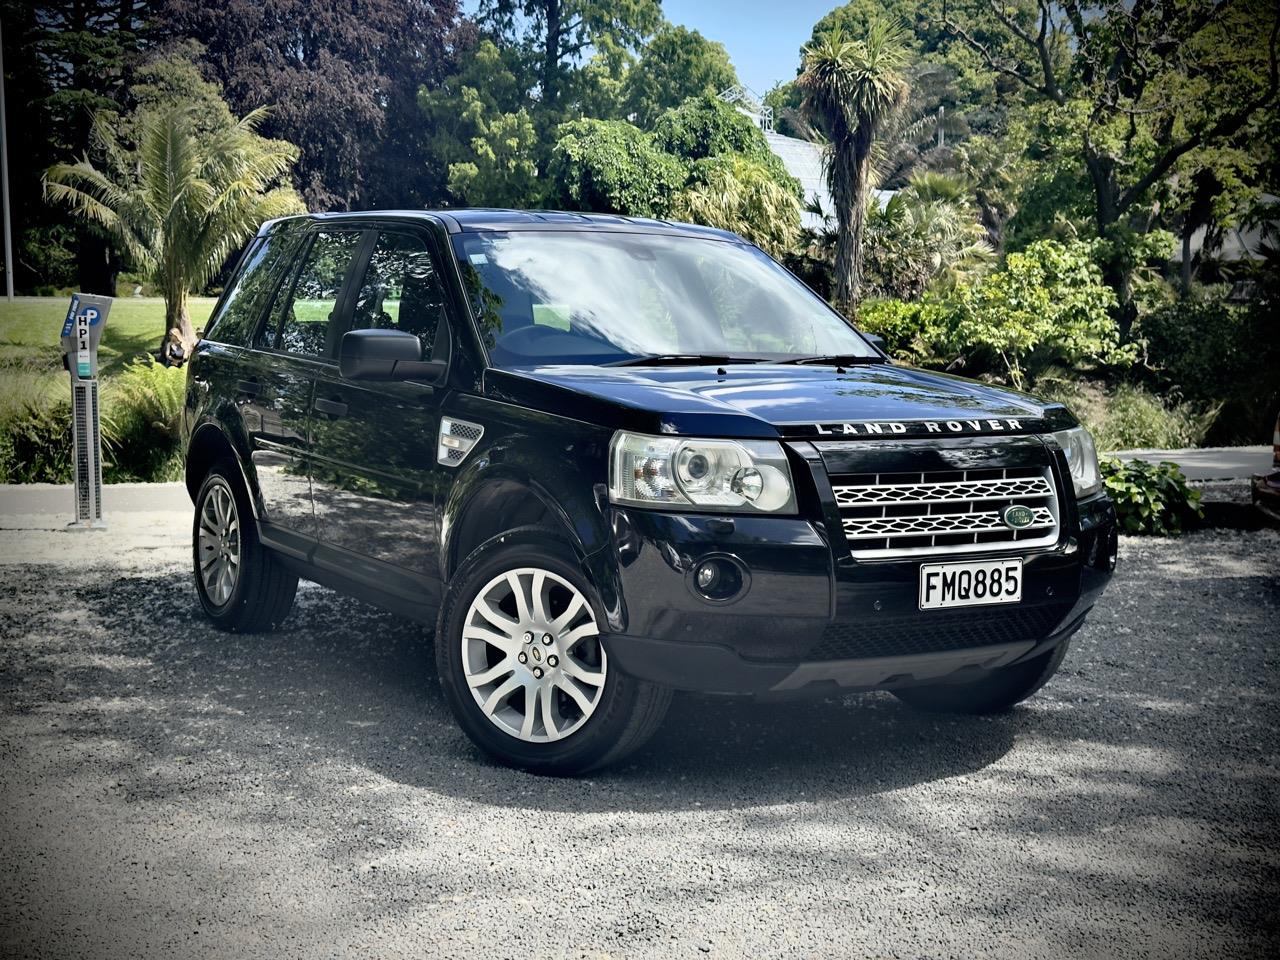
{"x": 763, "y": 37}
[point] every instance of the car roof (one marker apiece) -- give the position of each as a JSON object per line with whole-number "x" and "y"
{"x": 480, "y": 219}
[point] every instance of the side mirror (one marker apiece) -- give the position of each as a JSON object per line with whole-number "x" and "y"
{"x": 386, "y": 355}
{"x": 875, "y": 340}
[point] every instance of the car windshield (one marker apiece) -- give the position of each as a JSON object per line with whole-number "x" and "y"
{"x": 551, "y": 297}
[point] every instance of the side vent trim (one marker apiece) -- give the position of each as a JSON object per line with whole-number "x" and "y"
{"x": 457, "y": 439}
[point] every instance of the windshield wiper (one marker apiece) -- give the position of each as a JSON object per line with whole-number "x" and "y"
{"x": 837, "y": 359}
{"x": 681, "y": 360}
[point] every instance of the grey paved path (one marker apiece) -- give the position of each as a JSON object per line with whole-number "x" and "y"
{"x": 1209, "y": 463}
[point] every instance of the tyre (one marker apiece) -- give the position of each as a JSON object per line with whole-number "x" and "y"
{"x": 524, "y": 667}
{"x": 994, "y": 693}
{"x": 242, "y": 586}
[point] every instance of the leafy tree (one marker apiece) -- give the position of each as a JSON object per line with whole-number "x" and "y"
{"x": 502, "y": 171}
{"x": 180, "y": 202}
{"x": 557, "y": 33}
{"x": 1047, "y": 305}
{"x": 736, "y": 193}
{"x": 706, "y": 126}
{"x": 1146, "y": 86}
{"x": 996, "y": 167}
{"x": 482, "y": 133}
{"x": 343, "y": 76}
{"x": 64, "y": 61}
{"x": 610, "y": 166}
{"x": 853, "y": 90}
{"x": 600, "y": 85}
{"x": 677, "y": 63}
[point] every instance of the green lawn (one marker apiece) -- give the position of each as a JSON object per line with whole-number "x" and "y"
{"x": 29, "y": 329}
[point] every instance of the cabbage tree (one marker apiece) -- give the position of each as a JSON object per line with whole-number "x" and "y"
{"x": 853, "y": 91}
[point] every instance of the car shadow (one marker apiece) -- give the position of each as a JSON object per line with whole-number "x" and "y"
{"x": 358, "y": 685}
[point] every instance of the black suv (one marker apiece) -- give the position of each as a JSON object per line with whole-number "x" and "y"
{"x": 608, "y": 458}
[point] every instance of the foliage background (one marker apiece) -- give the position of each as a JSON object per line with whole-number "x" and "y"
{"x": 1048, "y": 167}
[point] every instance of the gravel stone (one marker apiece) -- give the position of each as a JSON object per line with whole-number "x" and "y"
{"x": 171, "y": 791}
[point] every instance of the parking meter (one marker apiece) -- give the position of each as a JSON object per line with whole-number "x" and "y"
{"x": 81, "y": 334}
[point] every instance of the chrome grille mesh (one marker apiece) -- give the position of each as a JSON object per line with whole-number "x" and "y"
{"x": 960, "y": 490}
{"x": 941, "y": 512}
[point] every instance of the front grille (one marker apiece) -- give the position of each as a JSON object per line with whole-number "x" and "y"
{"x": 936, "y": 632}
{"x": 939, "y": 512}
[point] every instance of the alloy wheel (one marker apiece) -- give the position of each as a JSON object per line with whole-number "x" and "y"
{"x": 532, "y": 656}
{"x": 219, "y": 541}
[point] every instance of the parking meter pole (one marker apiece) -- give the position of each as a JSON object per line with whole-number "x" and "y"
{"x": 81, "y": 334}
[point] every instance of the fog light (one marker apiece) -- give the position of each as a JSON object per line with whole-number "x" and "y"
{"x": 707, "y": 576}
{"x": 719, "y": 579}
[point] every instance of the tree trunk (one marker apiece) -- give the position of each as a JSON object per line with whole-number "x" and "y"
{"x": 1186, "y": 258}
{"x": 96, "y": 266}
{"x": 551, "y": 55}
{"x": 180, "y": 336}
{"x": 852, "y": 223}
{"x": 1116, "y": 272}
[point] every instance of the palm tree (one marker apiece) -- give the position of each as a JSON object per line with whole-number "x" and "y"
{"x": 853, "y": 89}
{"x": 928, "y": 235}
{"x": 180, "y": 202}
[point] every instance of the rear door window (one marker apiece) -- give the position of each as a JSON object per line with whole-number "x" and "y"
{"x": 307, "y": 313}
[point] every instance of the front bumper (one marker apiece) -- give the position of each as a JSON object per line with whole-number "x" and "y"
{"x": 812, "y": 618}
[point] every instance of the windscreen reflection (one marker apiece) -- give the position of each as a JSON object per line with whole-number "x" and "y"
{"x": 547, "y": 297}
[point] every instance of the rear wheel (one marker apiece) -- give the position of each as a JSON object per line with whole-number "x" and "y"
{"x": 525, "y": 668}
{"x": 994, "y": 693}
{"x": 242, "y": 586}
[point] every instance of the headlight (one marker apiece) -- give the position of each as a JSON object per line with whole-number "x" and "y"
{"x": 1082, "y": 459}
{"x": 722, "y": 476}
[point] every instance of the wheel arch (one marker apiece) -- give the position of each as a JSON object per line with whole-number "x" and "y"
{"x": 210, "y": 444}
{"x": 494, "y": 506}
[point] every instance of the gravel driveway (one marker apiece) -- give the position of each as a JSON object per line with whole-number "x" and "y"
{"x": 169, "y": 791}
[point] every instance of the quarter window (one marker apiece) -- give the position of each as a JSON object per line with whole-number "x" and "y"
{"x": 401, "y": 290}
{"x": 251, "y": 289}
{"x": 309, "y": 309}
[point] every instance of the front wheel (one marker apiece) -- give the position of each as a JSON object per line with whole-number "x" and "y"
{"x": 994, "y": 693}
{"x": 524, "y": 666}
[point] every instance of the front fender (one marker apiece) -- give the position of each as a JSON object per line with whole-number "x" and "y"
{"x": 561, "y": 462}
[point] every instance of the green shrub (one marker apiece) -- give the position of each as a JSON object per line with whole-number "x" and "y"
{"x": 1046, "y": 305}
{"x": 142, "y": 421}
{"x": 609, "y": 166}
{"x": 1150, "y": 498}
{"x": 1221, "y": 356}
{"x": 913, "y": 332}
{"x": 1127, "y": 417}
{"x": 35, "y": 440}
{"x": 35, "y": 423}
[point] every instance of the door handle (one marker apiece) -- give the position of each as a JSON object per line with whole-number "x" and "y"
{"x": 249, "y": 387}
{"x": 334, "y": 408}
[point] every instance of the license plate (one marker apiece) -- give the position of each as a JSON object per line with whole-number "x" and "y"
{"x": 971, "y": 584}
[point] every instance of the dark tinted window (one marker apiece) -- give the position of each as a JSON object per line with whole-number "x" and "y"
{"x": 401, "y": 290}
{"x": 251, "y": 289}
{"x": 309, "y": 307}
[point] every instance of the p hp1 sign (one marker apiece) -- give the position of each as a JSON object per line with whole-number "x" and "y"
{"x": 81, "y": 334}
